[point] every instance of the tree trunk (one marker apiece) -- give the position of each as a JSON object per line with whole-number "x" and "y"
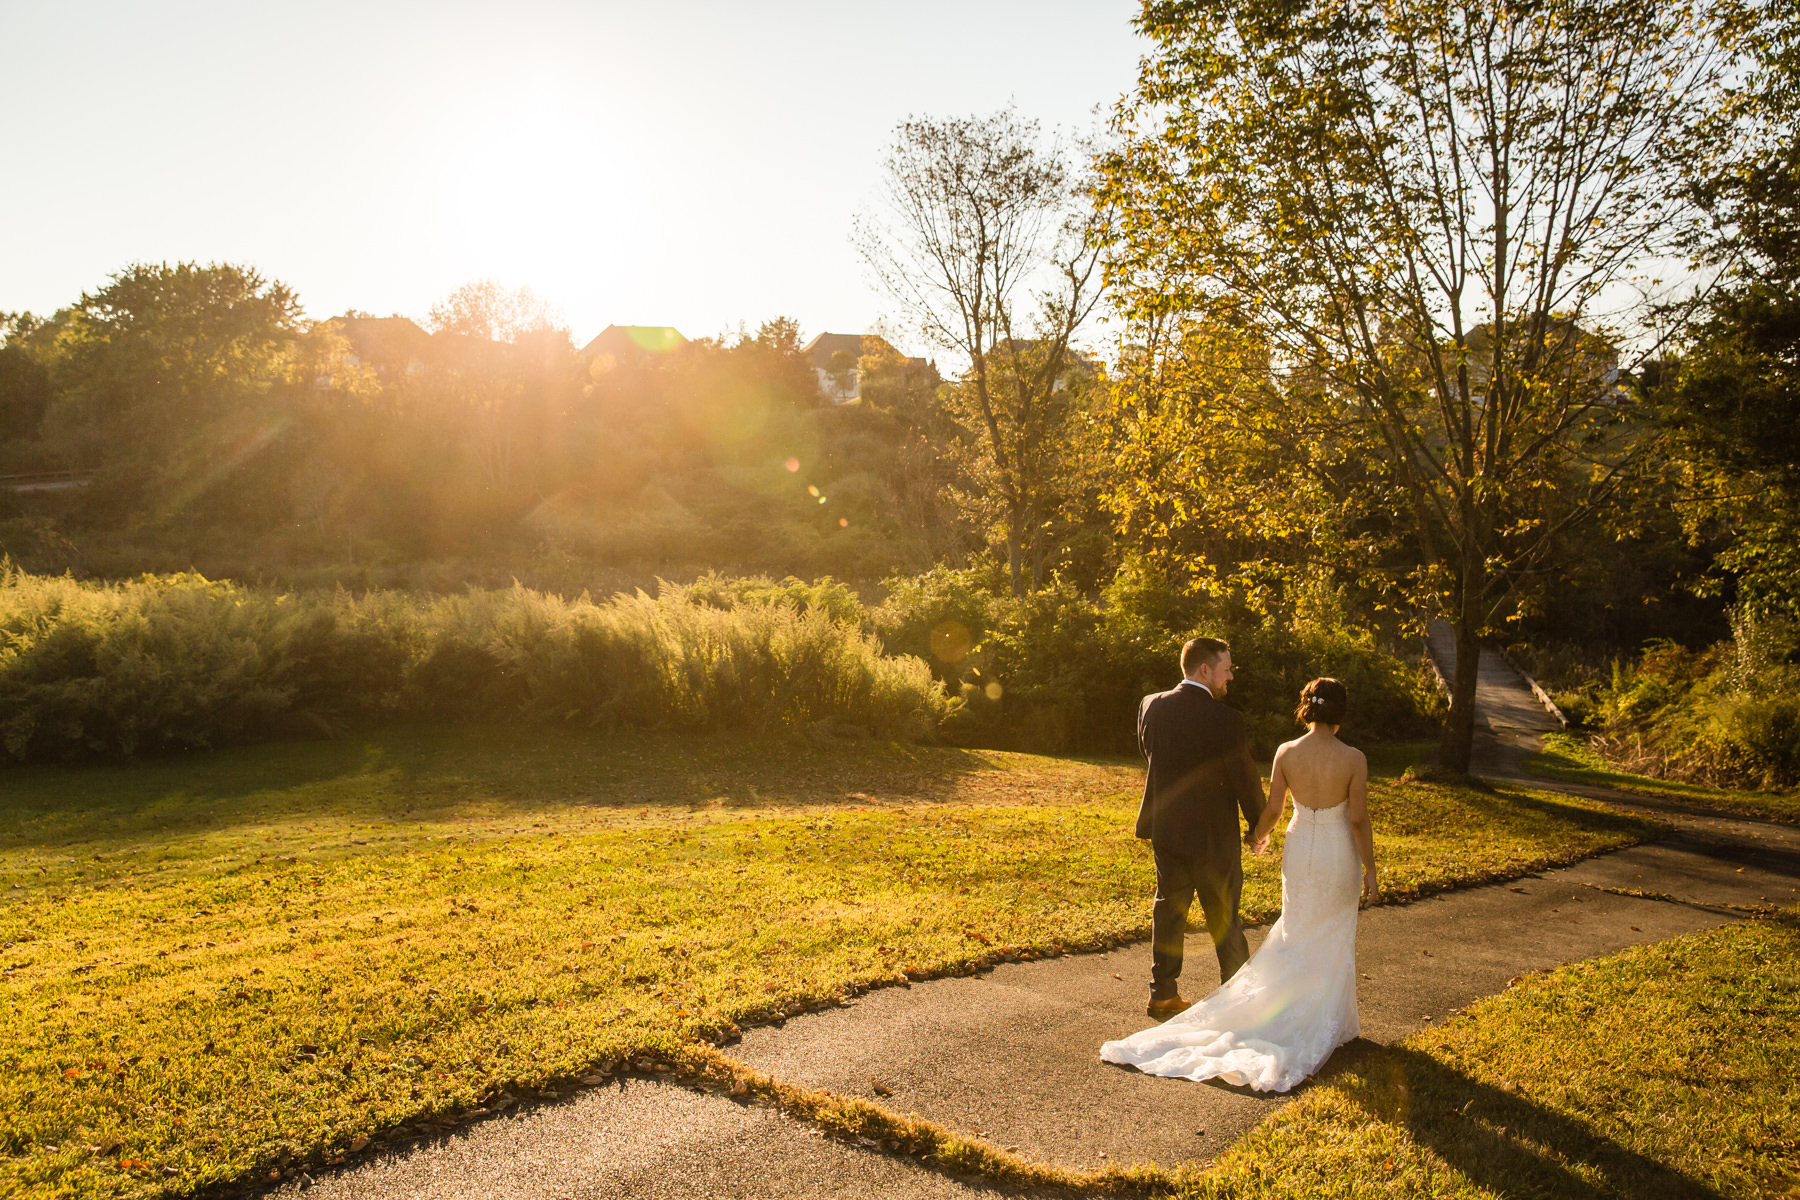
{"x": 1458, "y": 746}
{"x": 1014, "y": 557}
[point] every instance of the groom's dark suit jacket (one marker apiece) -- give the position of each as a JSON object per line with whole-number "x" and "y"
{"x": 1200, "y": 776}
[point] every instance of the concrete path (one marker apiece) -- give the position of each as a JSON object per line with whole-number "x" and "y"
{"x": 1012, "y": 1055}
{"x": 638, "y": 1140}
{"x": 1509, "y": 719}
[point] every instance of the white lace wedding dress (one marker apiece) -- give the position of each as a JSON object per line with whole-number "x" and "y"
{"x": 1279, "y": 1018}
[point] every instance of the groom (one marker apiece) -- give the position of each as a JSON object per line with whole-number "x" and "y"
{"x": 1200, "y": 778}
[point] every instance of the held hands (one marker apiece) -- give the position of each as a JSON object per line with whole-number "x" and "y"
{"x": 1258, "y": 842}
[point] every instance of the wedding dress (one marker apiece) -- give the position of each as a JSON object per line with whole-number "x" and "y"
{"x": 1279, "y": 1018}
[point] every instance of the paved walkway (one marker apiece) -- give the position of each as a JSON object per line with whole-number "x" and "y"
{"x": 1011, "y": 1055}
{"x": 1509, "y": 719}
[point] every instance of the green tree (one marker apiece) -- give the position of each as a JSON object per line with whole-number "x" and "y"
{"x": 502, "y": 367}
{"x": 493, "y": 313}
{"x": 1733, "y": 400}
{"x": 164, "y": 374}
{"x": 990, "y": 243}
{"x": 1429, "y": 213}
{"x": 25, "y": 390}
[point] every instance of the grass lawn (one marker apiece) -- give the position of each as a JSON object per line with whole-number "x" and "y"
{"x": 1567, "y": 756}
{"x": 1668, "y": 1070}
{"x": 223, "y": 967}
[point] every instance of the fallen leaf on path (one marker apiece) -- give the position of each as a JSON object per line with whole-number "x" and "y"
{"x": 881, "y": 1089}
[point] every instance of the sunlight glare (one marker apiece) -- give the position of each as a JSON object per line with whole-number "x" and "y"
{"x": 533, "y": 187}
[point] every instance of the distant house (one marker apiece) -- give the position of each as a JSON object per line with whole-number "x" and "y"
{"x": 1588, "y": 363}
{"x": 836, "y": 358}
{"x": 391, "y": 346}
{"x": 618, "y": 345}
{"x": 1077, "y": 363}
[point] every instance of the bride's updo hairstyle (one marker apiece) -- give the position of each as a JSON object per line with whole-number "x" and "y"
{"x": 1323, "y": 700}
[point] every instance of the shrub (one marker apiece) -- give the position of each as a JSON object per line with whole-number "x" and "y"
{"x": 1569, "y": 674}
{"x": 836, "y": 600}
{"x": 180, "y": 662}
{"x": 176, "y": 662}
{"x": 1057, "y": 671}
{"x": 1728, "y": 715}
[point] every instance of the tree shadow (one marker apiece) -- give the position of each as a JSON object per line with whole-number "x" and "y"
{"x": 422, "y": 774}
{"x": 1592, "y": 820}
{"x": 1498, "y": 1139}
{"x": 1761, "y": 854}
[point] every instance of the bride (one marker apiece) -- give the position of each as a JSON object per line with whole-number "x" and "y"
{"x": 1279, "y": 1018}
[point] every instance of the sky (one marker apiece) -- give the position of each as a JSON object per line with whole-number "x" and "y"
{"x": 688, "y": 164}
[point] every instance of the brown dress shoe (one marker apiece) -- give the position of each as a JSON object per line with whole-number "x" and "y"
{"x": 1162, "y": 1010}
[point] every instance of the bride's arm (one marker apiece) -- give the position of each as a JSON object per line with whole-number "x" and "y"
{"x": 1361, "y": 827}
{"x": 1278, "y": 790}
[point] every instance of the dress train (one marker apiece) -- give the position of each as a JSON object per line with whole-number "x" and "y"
{"x": 1279, "y": 1018}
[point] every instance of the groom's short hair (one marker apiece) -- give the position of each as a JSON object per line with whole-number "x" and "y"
{"x": 1202, "y": 651}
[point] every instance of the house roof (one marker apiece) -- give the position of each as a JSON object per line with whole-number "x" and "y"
{"x": 634, "y": 341}
{"x": 821, "y": 348}
{"x": 856, "y": 345}
{"x": 384, "y": 339}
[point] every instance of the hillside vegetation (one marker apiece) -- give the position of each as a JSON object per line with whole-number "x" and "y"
{"x": 179, "y": 662}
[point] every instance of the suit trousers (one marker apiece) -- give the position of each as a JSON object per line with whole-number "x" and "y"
{"x": 1180, "y": 878}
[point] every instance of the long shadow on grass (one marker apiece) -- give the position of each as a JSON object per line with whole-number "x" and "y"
{"x": 1499, "y": 1140}
{"x": 1593, "y": 820}
{"x": 424, "y": 774}
{"x": 1670, "y": 795}
{"x": 1774, "y": 859}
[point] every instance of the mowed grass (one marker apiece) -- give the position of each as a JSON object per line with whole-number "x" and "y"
{"x": 1667, "y": 1070}
{"x": 1568, "y": 757}
{"x": 225, "y": 967}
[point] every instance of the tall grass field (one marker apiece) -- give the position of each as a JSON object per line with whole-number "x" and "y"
{"x": 167, "y": 663}
{"x": 179, "y": 662}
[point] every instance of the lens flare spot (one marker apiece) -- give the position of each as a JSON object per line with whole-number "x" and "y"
{"x": 812, "y": 489}
{"x": 950, "y": 642}
{"x": 821, "y": 499}
{"x": 843, "y": 522}
{"x": 792, "y": 464}
{"x": 993, "y": 690}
